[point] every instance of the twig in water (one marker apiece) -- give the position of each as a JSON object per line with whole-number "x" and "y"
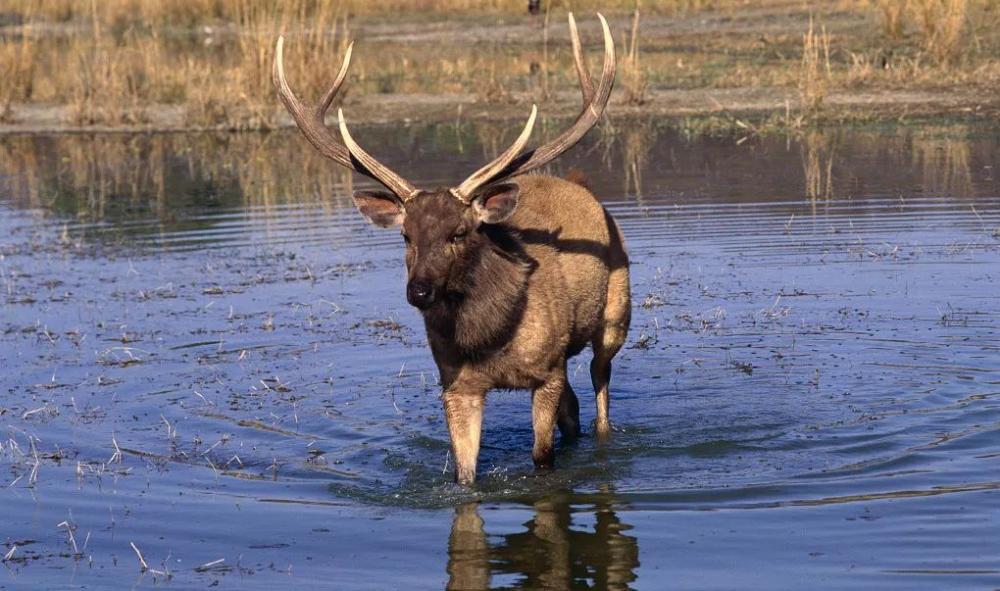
{"x": 33, "y": 477}
{"x": 69, "y": 531}
{"x": 392, "y": 396}
{"x": 142, "y": 560}
{"x": 171, "y": 432}
{"x": 37, "y": 410}
{"x": 209, "y": 565}
{"x": 117, "y": 456}
{"x": 200, "y": 395}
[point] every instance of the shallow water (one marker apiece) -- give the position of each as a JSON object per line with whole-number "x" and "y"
{"x": 206, "y": 353}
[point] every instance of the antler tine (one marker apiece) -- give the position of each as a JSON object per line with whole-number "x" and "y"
{"x": 309, "y": 118}
{"x": 378, "y": 171}
{"x": 483, "y": 175}
{"x": 332, "y": 92}
{"x": 586, "y": 85}
{"x": 592, "y": 110}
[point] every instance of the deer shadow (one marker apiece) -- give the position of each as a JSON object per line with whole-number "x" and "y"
{"x": 594, "y": 248}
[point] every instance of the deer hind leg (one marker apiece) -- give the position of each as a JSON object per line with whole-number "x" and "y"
{"x": 569, "y": 413}
{"x": 464, "y": 413}
{"x": 545, "y": 402}
{"x": 608, "y": 341}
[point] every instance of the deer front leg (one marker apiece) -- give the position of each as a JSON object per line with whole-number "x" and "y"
{"x": 544, "y": 412}
{"x": 464, "y": 412}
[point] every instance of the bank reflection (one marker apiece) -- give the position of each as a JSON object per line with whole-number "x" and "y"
{"x": 153, "y": 187}
{"x": 570, "y": 543}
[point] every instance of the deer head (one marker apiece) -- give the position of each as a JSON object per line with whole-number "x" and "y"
{"x": 443, "y": 228}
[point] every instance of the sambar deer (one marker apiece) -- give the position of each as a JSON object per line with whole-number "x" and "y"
{"x": 513, "y": 276}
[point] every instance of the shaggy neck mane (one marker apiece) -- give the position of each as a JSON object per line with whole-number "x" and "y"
{"x": 487, "y": 298}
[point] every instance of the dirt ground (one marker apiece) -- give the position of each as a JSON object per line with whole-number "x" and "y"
{"x": 747, "y": 102}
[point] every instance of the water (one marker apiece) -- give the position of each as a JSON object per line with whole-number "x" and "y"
{"x": 206, "y": 353}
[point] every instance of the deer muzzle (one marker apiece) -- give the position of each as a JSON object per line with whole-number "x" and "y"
{"x": 421, "y": 294}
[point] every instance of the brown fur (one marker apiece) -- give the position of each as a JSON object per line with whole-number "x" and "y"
{"x": 514, "y": 300}
{"x": 578, "y": 177}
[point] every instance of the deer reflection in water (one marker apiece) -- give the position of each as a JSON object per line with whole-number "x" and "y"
{"x": 550, "y": 554}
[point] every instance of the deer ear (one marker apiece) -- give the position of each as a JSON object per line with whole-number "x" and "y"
{"x": 496, "y": 203}
{"x": 381, "y": 208}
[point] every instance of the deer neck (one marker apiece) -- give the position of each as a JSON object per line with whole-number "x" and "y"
{"x": 489, "y": 297}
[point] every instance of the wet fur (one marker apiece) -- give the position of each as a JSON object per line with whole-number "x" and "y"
{"x": 517, "y": 299}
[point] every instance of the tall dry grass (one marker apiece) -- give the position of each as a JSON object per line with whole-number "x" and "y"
{"x": 814, "y": 72}
{"x": 109, "y": 80}
{"x": 942, "y": 24}
{"x": 893, "y": 16}
{"x": 109, "y": 70}
{"x": 17, "y": 71}
{"x": 634, "y": 78}
{"x": 240, "y": 93}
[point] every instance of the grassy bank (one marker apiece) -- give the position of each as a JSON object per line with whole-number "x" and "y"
{"x": 206, "y": 63}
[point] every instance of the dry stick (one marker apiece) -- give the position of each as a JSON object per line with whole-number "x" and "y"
{"x": 72, "y": 540}
{"x": 117, "y": 456}
{"x": 33, "y": 477}
{"x": 209, "y": 565}
{"x": 171, "y": 433}
{"x": 142, "y": 560}
{"x": 10, "y": 554}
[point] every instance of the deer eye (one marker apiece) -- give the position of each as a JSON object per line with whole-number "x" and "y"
{"x": 460, "y": 236}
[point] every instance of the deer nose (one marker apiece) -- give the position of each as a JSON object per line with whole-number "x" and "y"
{"x": 420, "y": 294}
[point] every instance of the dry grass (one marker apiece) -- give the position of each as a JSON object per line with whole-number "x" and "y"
{"x": 892, "y": 13}
{"x": 108, "y": 83}
{"x": 240, "y": 94}
{"x": 206, "y": 63}
{"x": 941, "y": 23}
{"x": 634, "y": 78}
{"x": 17, "y": 71}
{"x": 815, "y": 73}
{"x": 109, "y": 71}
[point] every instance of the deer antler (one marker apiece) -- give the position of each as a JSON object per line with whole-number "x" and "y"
{"x": 593, "y": 105}
{"x": 310, "y": 120}
{"x": 467, "y": 188}
{"x": 379, "y": 171}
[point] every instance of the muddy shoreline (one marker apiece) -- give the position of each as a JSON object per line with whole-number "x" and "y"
{"x": 777, "y": 105}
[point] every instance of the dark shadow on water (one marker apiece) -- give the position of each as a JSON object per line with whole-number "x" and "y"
{"x": 553, "y": 551}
